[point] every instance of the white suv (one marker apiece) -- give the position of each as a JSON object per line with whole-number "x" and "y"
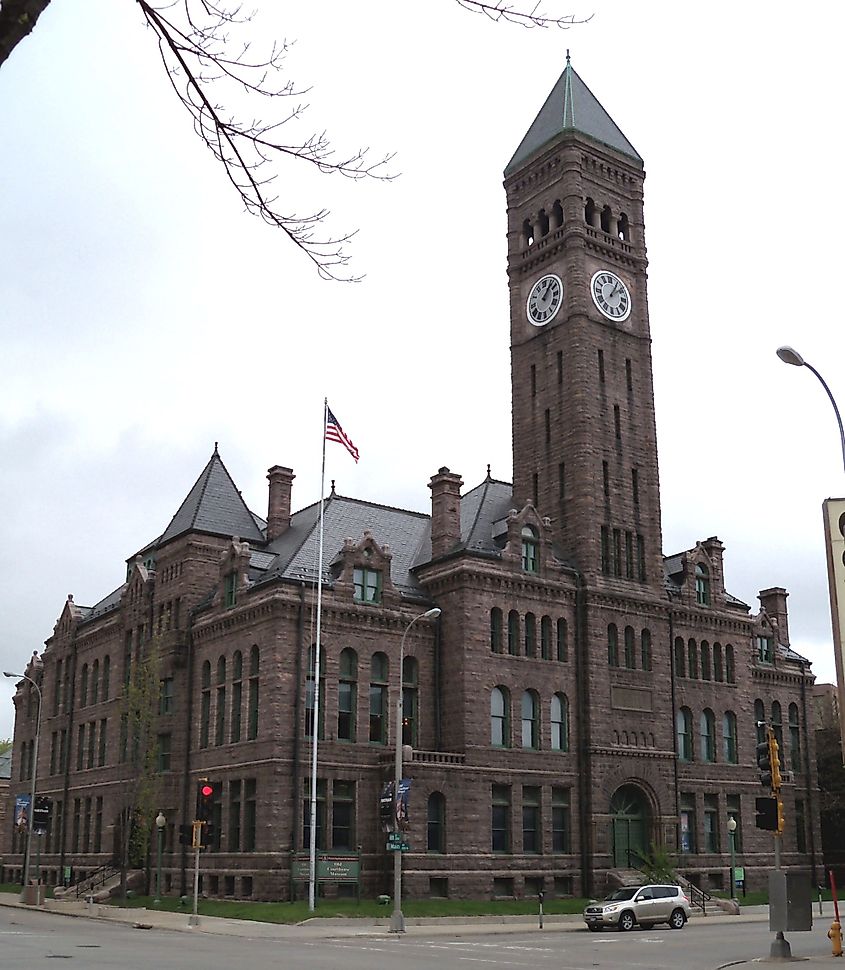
{"x": 645, "y": 905}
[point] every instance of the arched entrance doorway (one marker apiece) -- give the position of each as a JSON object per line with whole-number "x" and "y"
{"x": 630, "y": 820}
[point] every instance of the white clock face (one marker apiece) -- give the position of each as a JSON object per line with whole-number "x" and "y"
{"x": 544, "y": 300}
{"x": 610, "y": 295}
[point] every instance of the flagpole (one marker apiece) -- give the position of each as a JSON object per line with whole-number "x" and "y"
{"x": 315, "y": 724}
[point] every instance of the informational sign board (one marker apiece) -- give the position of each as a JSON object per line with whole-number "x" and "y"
{"x": 834, "y": 535}
{"x": 334, "y": 867}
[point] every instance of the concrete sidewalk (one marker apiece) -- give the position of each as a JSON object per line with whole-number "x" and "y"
{"x": 333, "y": 928}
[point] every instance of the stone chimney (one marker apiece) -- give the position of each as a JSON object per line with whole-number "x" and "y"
{"x": 445, "y": 512}
{"x": 278, "y": 507}
{"x": 773, "y": 602}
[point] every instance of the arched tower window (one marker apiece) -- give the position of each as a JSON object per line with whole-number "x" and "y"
{"x": 527, "y": 234}
{"x": 560, "y": 722}
{"x": 707, "y": 732}
{"x": 347, "y": 695}
{"x": 794, "y": 738}
{"x": 252, "y": 709}
{"x": 530, "y": 719}
{"x": 220, "y": 714}
{"x": 237, "y": 696}
{"x": 513, "y": 633}
{"x": 543, "y": 222}
{"x": 680, "y": 658}
{"x": 605, "y": 219}
{"x": 623, "y": 228}
{"x": 612, "y": 646}
{"x": 683, "y": 721}
{"x": 729, "y": 738}
{"x": 557, "y": 215}
{"x": 530, "y": 635}
{"x": 496, "y": 630}
{"x": 546, "y": 638}
{"x": 205, "y": 704}
{"x": 500, "y": 717}
{"x": 378, "y": 698}
{"x": 645, "y": 649}
{"x": 630, "y": 659}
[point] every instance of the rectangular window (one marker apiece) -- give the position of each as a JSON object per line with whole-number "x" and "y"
{"x": 86, "y": 826}
{"x": 560, "y": 820}
{"x": 80, "y": 747}
{"x": 98, "y": 826}
{"x": 531, "y": 828}
{"x": 343, "y": 815}
{"x": 535, "y": 489}
{"x": 617, "y": 422}
{"x": 77, "y": 812}
{"x": 617, "y": 552}
{"x": 54, "y": 751}
{"x": 605, "y": 475}
{"x": 234, "y": 840}
{"x": 711, "y": 823}
{"x": 63, "y": 751}
{"x": 367, "y": 585}
{"x": 230, "y": 589}
{"x": 101, "y": 755}
{"x": 765, "y": 650}
{"x": 687, "y": 823}
{"x": 641, "y": 558}
{"x": 548, "y": 421}
{"x": 92, "y": 743}
{"x": 165, "y": 697}
{"x": 629, "y": 555}
{"x": 533, "y": 381}
{"x": 501, "y": 818}
{"x": 605, "y": 550}
{"x": 560, "y": 367}
{"x": 601, "y": 366}
{"x": 635, "y": 487}
{"x": 249, "y": 815}
{"x": 163, "y": 752}
{"x": 629, "y": 377}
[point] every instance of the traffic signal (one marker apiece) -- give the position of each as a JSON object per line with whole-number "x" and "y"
{"x": 780, "y": 816}
{"x": 768, "y": 815}
{"x": 774, "y": 758}
{"x": 764, "y": 763}
{"x": 207, "y": 835}
{"x": 206, "y": 791}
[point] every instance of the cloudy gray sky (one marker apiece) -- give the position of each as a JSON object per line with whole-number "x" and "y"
{"x": 144, "y": 316}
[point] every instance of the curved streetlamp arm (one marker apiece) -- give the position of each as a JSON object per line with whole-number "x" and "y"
{"x": 823, "y": 383}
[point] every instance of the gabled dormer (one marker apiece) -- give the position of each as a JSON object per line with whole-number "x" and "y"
{"x": 525, "y": 539}
{"x": 364, "y": 568}
{"x": 234, "y": 573}
{"x": 140, "y": 583}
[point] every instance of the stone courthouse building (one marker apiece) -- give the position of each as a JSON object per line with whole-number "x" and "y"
{"x": 581, "y": 696}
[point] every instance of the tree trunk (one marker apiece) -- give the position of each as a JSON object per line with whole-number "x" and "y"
{"x": 17, "y": 18}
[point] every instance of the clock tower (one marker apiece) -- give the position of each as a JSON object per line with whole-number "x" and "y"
{"x": 584, "y": 440}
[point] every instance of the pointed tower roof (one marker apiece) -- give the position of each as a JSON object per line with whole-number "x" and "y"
{"x": 214, "y": 505}
{"x": 571, "y": 106}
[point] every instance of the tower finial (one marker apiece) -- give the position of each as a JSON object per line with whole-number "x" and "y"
{"x": 215, "y": 447}
{"x": 567, "y": 57}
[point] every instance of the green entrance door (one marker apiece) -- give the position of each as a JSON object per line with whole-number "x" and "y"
{"x": 629, "y": 826}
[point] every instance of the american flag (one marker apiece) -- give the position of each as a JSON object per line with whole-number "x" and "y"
{"x": 334, "y": 432}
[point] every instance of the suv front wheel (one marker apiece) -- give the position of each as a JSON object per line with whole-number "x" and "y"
{"x": 677, "y": 919}
{"x": 626, "y": 921}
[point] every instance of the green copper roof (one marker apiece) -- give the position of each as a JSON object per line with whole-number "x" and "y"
{"x": 571, "y": 106}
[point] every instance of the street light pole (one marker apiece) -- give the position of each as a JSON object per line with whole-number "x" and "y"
{"x": 161, "y": 821}
{"x": 397, "y": 920}
{"x": 732, "y": 837}
{"x": 791, "y": 356}
{"x": 7, "y": 673}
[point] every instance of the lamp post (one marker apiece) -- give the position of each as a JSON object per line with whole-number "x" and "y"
{"x": 7, "y": 673}
{"x": 732, "y": 838}
{"x": 161, "y": 821}
{"x": 791, "y": 356}
{"x": 397, "y": 920}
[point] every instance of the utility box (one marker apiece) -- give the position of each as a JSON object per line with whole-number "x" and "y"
{"x": 790, "y": 902}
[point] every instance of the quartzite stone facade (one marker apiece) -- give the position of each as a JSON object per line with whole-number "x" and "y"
{"x": 580, "y": 697}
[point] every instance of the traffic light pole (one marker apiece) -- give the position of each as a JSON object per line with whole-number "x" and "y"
{"x": 194, "y": 919}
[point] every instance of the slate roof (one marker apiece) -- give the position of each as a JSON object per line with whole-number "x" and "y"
{"x": 571, "y": 106}
{"x": 214, "y": 505}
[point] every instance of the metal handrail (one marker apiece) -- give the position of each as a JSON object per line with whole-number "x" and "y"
{"x": 99, "y": 877}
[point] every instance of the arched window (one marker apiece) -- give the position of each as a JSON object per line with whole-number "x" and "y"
{"x": 500, "y": 718}
{"x": 530, "y": 720}
{"x": 543, "y": 222}
{"x": 557, "y": 215}
{"x": 513, "y": 633}
{"x": 220, "y": 720}
{"x": 777, "y": 726}
{"x": 730, "y": 667}
{"x": 409, "y": 701}
{"x": 645, "y": 649}
{"x": 692, "y": 655}
{"x": 623, "y": 228}
{"x": 707, "y": 731}
{"x": 527, "y": 233}
{"x": 237, "y": 696}
{"x": 760, "y": 720}
{"x": 705, "y": 660}
{"x": 106, "y": 672}
{"x": 630, "y": 660}
{"x": 205, "y": 704}
{"x": 794, "y": 739}
{"x": 378, "y": 699}
{"x": 546, "y": 638}
{"x": 590, "y": 213}
{"x": 95, "y": 682}
{"x": 560, "y": 722}
{"x": 612, "y": 646}
{"x": 530, "y": 635}
{"x": 729, "y": 738}
{"x": 683, "y": 722}
{"x": 562, "y": 641}
{"x": 436, "y": 829}
{"x": 311, "y": 696}
{"x": 83, "y": 687}
{"x": 252, "y": 704}
{"x": 605, "y": 219}
{"x": 347, "y": 693}
{"x": 680, "y": 658}
{"x": 530, "y": 549}
{"x": 702, "y": 584}
{"x": 718, "y": 668}
{"x": 496, "y": 630}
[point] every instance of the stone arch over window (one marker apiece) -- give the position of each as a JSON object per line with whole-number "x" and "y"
{"x": 730, "y": 747}
{"x": 378, "y": 698}
{"x": 692, "y": 655}
{"x": 680, "y": 658}
{"x": 702, "y": 584}
{"x": 707, "y": 735}
{"x": 760, "y": 720}
{"x": 630, "y": 659}
{"x": 683, "y": 725}
{"x": 410, "y": 701}
{"x": 794, "y": 738}
{"x": 530, "y": 635}
{"x": 730, "y": 665}
{"x": 347, "y": 695}
{"x": 496, "y": 642}
{"x": 500, "y": 717}
{"x": 612, "y": 645}
{"x": 560, "y": 722}
{"x": 562, "y": 640}
{"x": 513, "y": 633}
{"x": 530, "y": 708}
{"x": 705, "y": 660}
{"x": 205, "y": 703}
{"x": 645, "y": 649}
{"x": 718, "y": 665}
{"x": 436, "y": 822}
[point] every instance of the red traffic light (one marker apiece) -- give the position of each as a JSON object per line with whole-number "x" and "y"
{"x": 206, "y": 790}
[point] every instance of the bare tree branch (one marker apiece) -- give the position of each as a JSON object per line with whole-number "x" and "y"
{"x": 525, "y": 14}
{"x": 202, "y": 57}
{"x": 17, "y": 18}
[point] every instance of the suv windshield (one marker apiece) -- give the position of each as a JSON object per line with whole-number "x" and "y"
{"x": 627, "y": 892}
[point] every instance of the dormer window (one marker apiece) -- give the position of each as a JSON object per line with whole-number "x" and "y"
{"x": 765, "y": 650}
{"x": 702, "y": 585}
{"x": 230, "y": 587}
{"x": 530, "y": 548}
{"x": 367, "y": 585}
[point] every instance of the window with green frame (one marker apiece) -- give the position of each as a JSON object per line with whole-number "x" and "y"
{"x": 530, "y": 549}
{"x": 230, "y": 587}
{"x": 367, "y": 585}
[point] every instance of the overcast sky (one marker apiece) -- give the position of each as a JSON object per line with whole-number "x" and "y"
{"x": 144, "y": 316}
